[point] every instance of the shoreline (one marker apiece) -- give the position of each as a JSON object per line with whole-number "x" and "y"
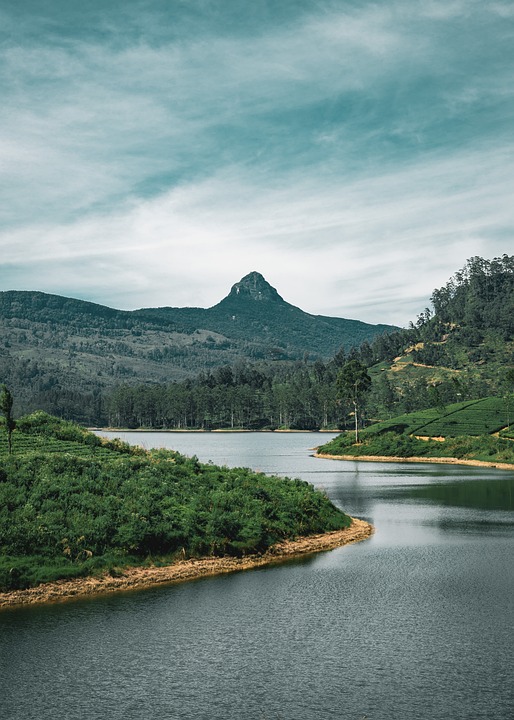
{"x": 215, "y": 430}
{"x": 413, "y": 459}
{"x": 141, "y": 578}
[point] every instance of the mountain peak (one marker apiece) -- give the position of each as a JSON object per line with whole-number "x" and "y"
{"x": 254, "y": 287}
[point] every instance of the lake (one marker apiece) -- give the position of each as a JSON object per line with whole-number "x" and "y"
{"x": 417, "y": 622}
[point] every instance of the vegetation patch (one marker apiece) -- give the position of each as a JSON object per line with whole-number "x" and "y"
{"x": 486, "y": 448}
{"x": 73, "y": 505}
{"x": 482, "y": 417}
{"x": 469, "y": 431}
{"x": 472, "y": 417}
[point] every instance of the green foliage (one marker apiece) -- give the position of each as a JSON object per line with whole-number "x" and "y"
{"x": 475, "y": 417}
{"x": 484, "y": 416}
{"x": 480, "y": 296}
{"x": 353, "y": 382}
{"x": 466, "y": 427}
{"x": 65, "y": 514}
{"x": 6, "y": 403}
{"x": 245, "y": 396}
{"x": 387, "y": 443}
{"x": 44, "y": 425}
{"x": 391, "y": 444}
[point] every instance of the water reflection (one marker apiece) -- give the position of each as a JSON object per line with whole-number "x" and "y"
{"x": 415, "y": 624}
{"x": 491, "y": 494}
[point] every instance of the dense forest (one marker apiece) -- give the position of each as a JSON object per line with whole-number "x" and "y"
{"x": 458, "y": 349}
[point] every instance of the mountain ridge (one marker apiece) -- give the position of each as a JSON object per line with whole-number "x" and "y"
{"x": 51, "y": 342}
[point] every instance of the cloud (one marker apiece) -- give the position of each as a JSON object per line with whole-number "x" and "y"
{"x": 354, "y": 153}
{"x": 108, "y": 117}
{"x": 332, "y": 248}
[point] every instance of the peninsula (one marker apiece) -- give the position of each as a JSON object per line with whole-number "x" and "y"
{"x": 144, "y": 577}
{"x": 473, "y": 432}
{"x": 83, "y": 515}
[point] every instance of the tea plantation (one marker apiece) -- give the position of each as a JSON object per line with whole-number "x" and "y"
{"x": 475, "y": 429}
{"x": 72, "y": 505}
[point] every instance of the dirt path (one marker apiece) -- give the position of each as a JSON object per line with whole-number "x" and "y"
{"x": 441, "y": 460}
{"x": 138, "y": 578}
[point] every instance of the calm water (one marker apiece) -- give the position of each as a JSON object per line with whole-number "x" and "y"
{"x": 417, "y": 622}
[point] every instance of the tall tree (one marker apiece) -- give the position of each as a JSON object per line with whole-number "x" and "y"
{"x": 509, "y": 377}
{"x": 6, "y": 401}
{"x": 353, "y": 382}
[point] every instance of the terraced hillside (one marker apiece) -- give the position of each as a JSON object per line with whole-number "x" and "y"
{"x": 475, "y": 430}
{"x": 472, "y": 417}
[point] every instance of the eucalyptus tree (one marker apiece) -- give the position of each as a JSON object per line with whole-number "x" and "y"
{"x": 353, "y": 382}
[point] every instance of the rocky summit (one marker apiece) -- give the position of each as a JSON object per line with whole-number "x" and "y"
{"x": 255, "y": 287}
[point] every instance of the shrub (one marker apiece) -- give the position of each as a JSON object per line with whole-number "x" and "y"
{"x": 83, "y": 513}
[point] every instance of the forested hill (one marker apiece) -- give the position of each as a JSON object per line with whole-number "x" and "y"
{"x": 479, "y": 298}
{"x": 473, "y": 317}
{"x": 462, "y": 350}
{"x": 255, "y": 314}
{"x": 52, "y": 347}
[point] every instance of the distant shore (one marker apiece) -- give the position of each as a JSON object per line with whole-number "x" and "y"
{"x": 199, "y": 430}
{"x": 439, "y": 460}
{"x": 139, "y": 578}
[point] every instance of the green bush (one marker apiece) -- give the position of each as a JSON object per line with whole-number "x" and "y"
{"x": 67, "y": 514}
{"x": 484, "y": 447}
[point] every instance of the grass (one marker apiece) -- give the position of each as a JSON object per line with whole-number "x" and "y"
{"x": 471, "y": 417}
{"x": 469, "y": 430}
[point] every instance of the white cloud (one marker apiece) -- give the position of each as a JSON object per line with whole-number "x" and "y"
{"x": 100, "y": 118}
{"x": 331, "y": 247}
{"x": 150, "y": 173}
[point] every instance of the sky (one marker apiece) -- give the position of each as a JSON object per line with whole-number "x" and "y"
{"x": 153, "y": 152}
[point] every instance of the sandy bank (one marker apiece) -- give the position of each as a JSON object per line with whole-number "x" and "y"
{"x": 138, "y": 578}
{"x": 441, "y": 460}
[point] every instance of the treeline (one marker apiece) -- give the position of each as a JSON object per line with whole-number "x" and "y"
{"x": 301, "y": 396}
{"x": 480, "y": 296}
{"x": 258, "y": 396}
{"x": 249, "y": 396}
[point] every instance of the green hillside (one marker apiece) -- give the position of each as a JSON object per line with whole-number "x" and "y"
{"x": 72, "y": 505}
{"x": 63, "y": 355}
{"x": 475, "y": 430}
{"x": 460, "y": 349}
{"x": 474, "y": 417}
